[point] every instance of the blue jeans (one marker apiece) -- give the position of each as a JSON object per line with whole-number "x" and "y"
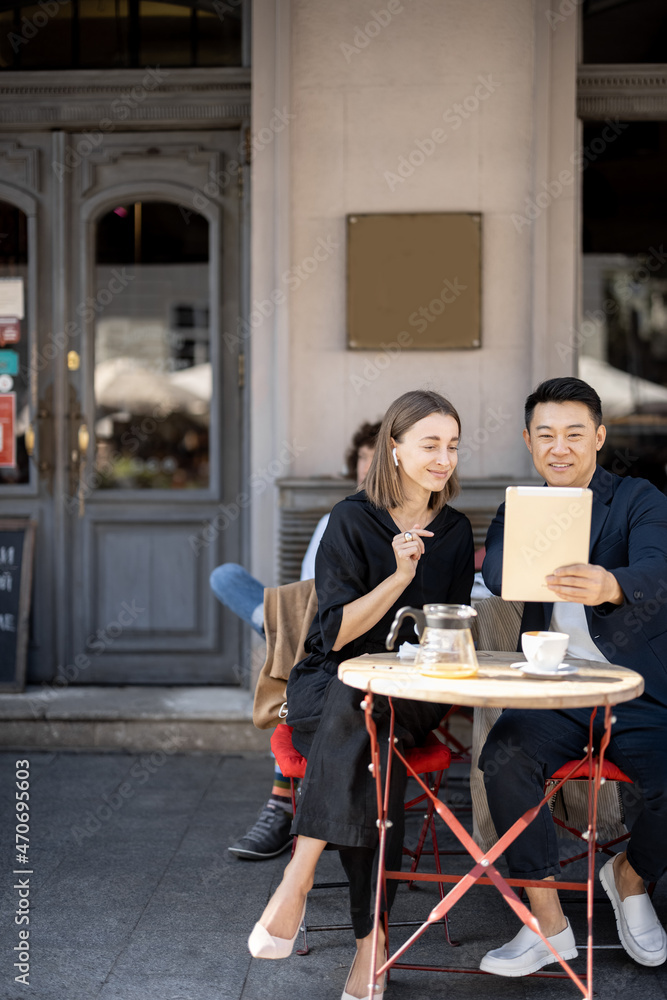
{"x": 241, "y": 593}
{"x": 525, "y": 747}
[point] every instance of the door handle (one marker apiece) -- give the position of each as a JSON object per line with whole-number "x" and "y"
{"x": 29, "y": 440}
{"x": 83, "y": 440}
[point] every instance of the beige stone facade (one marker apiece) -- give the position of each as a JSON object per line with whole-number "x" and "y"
{"x": 429, "y": 106}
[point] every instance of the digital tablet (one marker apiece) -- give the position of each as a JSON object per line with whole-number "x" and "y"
{"x": 545, "y": 527}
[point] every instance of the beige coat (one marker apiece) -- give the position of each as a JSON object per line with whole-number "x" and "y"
{"x": 288, "y": 614}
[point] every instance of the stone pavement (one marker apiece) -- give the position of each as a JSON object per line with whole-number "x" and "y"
{"x": 134, "y": 896}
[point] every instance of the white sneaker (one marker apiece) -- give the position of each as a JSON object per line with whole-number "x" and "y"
{"x": 527, "y": 953}
{"x": 641, "y": 933}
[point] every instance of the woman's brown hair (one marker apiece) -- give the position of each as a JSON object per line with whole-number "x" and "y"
{"x": 383, "y": 484}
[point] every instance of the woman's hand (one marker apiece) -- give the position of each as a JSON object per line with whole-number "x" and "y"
{"x": 409, "y": 550}
{"x": 359, "y": 616}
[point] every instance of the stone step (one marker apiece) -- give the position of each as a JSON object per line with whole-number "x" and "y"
{"x": 171, "y": 719}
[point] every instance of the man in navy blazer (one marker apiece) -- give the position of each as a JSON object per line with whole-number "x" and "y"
{"x": 614, "y": 609}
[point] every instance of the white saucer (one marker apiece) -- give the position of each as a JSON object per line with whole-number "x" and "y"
{"x": 561, "y": 671}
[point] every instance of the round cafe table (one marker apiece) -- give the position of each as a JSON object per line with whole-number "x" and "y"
{"x": 496, "y": 684}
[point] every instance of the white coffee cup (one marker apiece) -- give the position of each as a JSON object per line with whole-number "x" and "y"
{"x": 544, "y": 650}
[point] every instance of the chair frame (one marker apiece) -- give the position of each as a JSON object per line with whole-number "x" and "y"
{"x": 428, "y": 825}
{"x": 583, "y": 836}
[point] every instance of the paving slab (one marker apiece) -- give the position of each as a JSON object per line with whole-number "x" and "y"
{"x": 151, "y": 905}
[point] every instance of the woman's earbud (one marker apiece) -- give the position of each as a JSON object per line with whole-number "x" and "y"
{"x": 393, "y": 451}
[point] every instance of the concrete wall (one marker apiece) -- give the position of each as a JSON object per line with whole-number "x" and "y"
{"x": 367, "y": 81}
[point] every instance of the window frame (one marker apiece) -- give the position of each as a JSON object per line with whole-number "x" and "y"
{"x": 135, "y": 23}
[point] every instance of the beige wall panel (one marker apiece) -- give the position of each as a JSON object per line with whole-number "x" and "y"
{"x": 420, "y": 44}
{"x": 384, "y": 129}
{"x": 505, "y": 266}
{"x": 317, "y": 138}
{"x": 505, "y": 124}
{"x": 505, "y": 381}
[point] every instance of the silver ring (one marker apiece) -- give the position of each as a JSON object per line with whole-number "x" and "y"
{"x": 407, "y": 536}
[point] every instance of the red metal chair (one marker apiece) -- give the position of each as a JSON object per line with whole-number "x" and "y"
{"x": 432, "y": 759}
{"x": 610, "y": 772}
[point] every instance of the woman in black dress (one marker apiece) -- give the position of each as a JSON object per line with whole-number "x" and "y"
{"x": 392, "y": 544}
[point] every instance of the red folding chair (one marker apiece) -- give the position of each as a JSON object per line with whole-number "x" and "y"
{"x": 432, "y": 759}
{"x": 610, "y": 772}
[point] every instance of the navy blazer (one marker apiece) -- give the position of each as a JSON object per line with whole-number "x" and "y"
{"x": 629, "y": 538}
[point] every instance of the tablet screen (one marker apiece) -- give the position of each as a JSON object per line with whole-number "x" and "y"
{"x": 545, "y": 528}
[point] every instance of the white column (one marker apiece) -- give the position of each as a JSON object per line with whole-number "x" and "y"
{"x": 268, "y": 340}
{"x": 555, "y": 230}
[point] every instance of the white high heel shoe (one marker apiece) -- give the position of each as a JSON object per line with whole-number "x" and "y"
{"x": 265, "y": 945}
{"x": 377, "y": 995}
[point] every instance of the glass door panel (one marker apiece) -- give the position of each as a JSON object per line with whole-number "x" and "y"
{"x": 15, "y": 365}
{"x": 153, "y": 377}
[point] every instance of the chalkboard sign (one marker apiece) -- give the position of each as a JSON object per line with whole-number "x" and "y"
{"x": 17, "y": 545}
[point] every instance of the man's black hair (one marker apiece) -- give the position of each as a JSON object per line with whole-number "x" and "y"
{"x": 565, "y": 390}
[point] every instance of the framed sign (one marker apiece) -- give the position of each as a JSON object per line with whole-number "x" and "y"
{"x": 414, "y": 280}
{"x": 17, "y": 547}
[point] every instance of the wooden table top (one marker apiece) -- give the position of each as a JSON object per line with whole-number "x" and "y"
{"x": 496, "y": 685}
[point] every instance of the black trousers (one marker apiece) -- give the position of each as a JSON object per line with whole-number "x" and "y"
{"x": 526, "y": 747}
{"x": 338, "y": 798}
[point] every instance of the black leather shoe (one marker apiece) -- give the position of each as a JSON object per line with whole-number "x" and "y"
{"x": 269, "y": 836}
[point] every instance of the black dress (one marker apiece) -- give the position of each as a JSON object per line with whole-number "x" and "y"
{"x": 337, "y": 802}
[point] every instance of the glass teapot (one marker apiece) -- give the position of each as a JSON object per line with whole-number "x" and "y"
{"x": 446, "y": 648}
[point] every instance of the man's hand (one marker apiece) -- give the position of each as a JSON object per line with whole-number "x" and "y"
{"x": 585, "y": 584}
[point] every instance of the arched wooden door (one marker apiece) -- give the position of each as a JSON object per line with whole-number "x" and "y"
{"x": 122, "y": 258}
{"x": 154, "y": 426}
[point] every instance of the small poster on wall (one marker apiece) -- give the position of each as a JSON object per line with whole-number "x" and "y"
{"x": 11, "y": 298}
{"x": 9, "y": 363}
{"x": 7, "y": 430}
{"x": 10, "y": 330}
